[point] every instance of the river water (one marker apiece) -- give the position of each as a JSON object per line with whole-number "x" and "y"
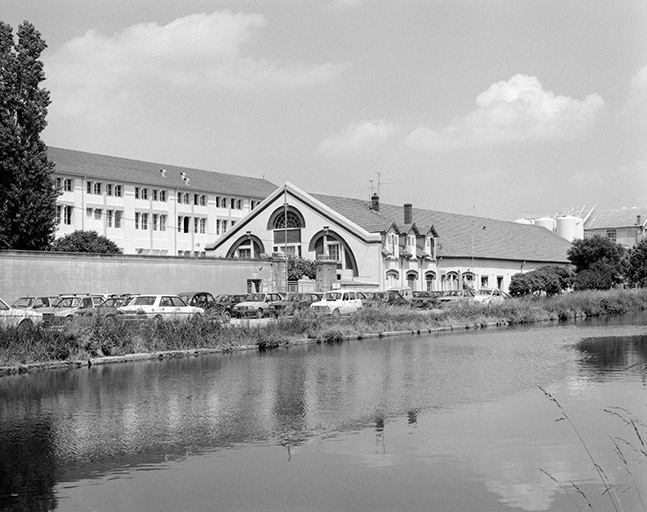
{"x": 469, "y": 421}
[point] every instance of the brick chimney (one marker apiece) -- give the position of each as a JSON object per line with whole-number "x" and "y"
{"x": 408, "y": 213}
{"x": 375, "y": 203}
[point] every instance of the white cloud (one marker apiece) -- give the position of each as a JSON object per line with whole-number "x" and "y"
{"x": 634, "y": 112}
{"x": 359, "y": 138}
{"x": 196, "y": 52}
{"x": 513, "y": 111}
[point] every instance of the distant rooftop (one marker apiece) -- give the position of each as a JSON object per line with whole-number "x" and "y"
{"x": 618, "y": 218}
{"x": 78, "y": 163}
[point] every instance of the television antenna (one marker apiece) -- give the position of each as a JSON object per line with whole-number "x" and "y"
{"x": 379, "y": 183}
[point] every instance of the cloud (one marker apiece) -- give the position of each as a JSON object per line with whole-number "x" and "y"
{"x": 196, "y": 52}
{"x": 510, "y": 112}
{"x": 360, "y": 138}
{"x": 635, "y": 110}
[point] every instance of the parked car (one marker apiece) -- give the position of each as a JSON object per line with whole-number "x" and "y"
{"x": 107, "y": 310}
{"x": 205, "y": 300}
{"x": 450, "y": 297}
{"x": 425, "y": 299}
{"x": 159, "y": 307}
{"x": 18, "y": 317}
{"x": 228, "y": 300}
{"x": 294, "y": 303}
{"x": 490, "y": 296}
{"x": 44, "y": 301}
{"x": 337, "y": 302}
{"x": 387, "y": 298}
{"x": 255, "y": 305}
{"x": 67, "y": 307}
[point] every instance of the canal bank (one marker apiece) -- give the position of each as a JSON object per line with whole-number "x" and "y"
{"x": 88, "y": 343}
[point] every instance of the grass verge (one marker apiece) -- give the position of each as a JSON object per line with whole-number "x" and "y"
{"x": 85, "y": 339}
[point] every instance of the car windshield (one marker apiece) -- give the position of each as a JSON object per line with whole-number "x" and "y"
{"x": 68, "y": 302}
{"x": 145, "y": 300}
{"x": 293, "y": 297}
{"x": 23, "y": 302}
{"x": 256, "y": 297}
{"x": 332, "y": 296}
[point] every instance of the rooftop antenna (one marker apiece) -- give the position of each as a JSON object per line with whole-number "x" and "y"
{"x": 379, "y": 182}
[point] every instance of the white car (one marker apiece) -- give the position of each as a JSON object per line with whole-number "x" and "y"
{"x": 159, "y": 307}
{"x": 337, "y": 302}
{"x": 256, "y": 305}
{"x": 490, "y": 296}
{"x": 16, "y": 317}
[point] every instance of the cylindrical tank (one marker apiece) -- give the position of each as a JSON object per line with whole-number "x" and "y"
{"x": 570, "y": 227}
{"x": 546, "y": 222}
{"x": 523, "y": 221}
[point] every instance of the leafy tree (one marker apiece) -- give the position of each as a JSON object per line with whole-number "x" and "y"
{"x": 27, "y": 192}
{"x": 548, "y": 280}
{"x": 599, "y": 263}
{"x": 85, "y": 241}
{"x": 637, "y": 267}
{"x": 301, "y": 267}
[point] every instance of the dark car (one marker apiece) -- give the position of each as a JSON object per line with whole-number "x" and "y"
{"x": 294, "y": 303}
{"x": 425, "y": 299}
{"x": 387, "y": 298}
{"x": 213, "y": 309}
{"x": 227, "y": 301}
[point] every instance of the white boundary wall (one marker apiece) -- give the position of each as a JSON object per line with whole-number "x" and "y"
{"x": 52, "y": 273}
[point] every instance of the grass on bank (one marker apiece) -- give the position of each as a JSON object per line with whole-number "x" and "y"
{"x": 89, "y": 338}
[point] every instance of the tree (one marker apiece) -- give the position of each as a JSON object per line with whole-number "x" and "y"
{"x": 637, "y": 267}
{"x": 599, "y": 263}
{"x": 300, "y": 267}
{"x": 546, "y": 280}
{"x": 85, "y": 241}
{"x": 27, "y": 192}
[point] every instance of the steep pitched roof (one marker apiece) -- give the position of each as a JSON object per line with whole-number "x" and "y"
{"x": 461, "y": 235}
{"x": 618, "y": 218}
{"x": 90, "y": 165}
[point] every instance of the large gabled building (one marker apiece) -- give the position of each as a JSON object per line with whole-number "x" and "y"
{"x": 382, "y": 246}
{"x": 150, "y": 208}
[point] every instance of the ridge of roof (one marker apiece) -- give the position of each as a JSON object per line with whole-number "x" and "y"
{"x": 460, "y": 235}
{"x": 92, "y": 165}
{"x": 616, "y": 218}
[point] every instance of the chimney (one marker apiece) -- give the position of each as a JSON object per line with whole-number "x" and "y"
{"x": 408, "y": 213}
{"x": 638, "y": 219}
{"x": 375, "y": 203}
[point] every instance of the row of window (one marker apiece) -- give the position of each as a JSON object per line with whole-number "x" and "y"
{"x": 96, "y": 188}
{"x": 144, "y": 193}
{"x": 157, "y": 221}
{"x": 113, "y": 217}
{"x": 185, "y": 224}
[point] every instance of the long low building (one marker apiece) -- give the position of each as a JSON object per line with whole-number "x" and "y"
{"x": 150, "y": 208}
{"x": 381, "y": 246}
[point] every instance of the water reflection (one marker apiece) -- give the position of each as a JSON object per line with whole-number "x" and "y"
{"x": 28, "y": 465}
{"x": 463, "y": 412}
{"x": 613, "y": 353}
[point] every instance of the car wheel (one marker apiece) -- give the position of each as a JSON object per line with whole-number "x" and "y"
{"x": 109, "y": 320}
{"x": 158, "y": 318}
{"x": 336, "y": 313}
{"x": 259, "y": 313}
{"x": 25, "y": 325}
{"x": 226, "y": 317}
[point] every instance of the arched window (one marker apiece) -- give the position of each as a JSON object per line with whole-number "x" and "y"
{"x": 334, "y": 246}
{"x": 392, "y": 278}
{"x": 412, "y": 279}
{"x": 289, "y": 220}
{"x": 430, "y": 281}
{"x": 286, "y": 223}
{"x": 450, "y": 281}
{"x": 246, "y": 247}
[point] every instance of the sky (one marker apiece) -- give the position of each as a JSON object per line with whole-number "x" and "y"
{"x": 496, "y": 108}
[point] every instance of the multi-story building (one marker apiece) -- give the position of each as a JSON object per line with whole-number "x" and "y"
{"x": 150, "y": 208}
